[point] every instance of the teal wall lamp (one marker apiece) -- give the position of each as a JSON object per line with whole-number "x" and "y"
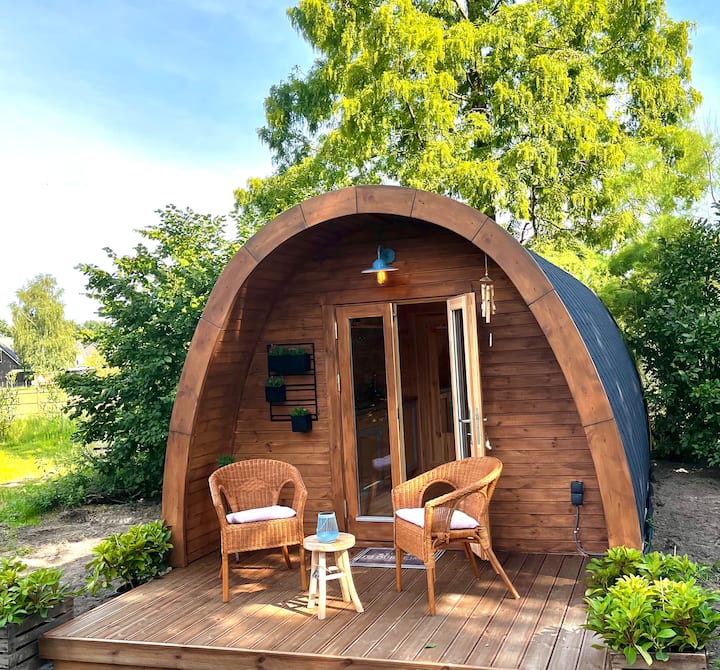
{"x": 381, "y": 265}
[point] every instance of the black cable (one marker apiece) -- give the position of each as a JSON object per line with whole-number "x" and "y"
{"x": 576, "y": 534}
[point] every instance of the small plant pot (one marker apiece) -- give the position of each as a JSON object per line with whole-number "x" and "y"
{"x": 275, "y": 393}
{"x": 289, "y": 364}
{"x": 301, "y": 424}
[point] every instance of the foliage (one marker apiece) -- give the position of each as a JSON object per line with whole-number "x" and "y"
{"x": 649, "y": 604}
{"x": 226, "y": 459}
{"x": 553, "y": 116}
{"x": 672, "y": 322}
{"x": 642, "y": 616}
{"x": 275, "y": 381}
{"x": 299, "y": 411}
{"x": 42, "y": 337}
{"x": 22, "y": 595}
{"x": 8, "y": 409}
{"x": 131, "y": 558}
{"x": 278, "y": 350}
{"x": 5, "y": 330}
{"x": 620, "y": 562}
{"x": 24, "y": 505}
{"x": 152, "y": 301}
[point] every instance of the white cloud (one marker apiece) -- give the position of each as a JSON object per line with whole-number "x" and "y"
{"x": 65, "y": 198}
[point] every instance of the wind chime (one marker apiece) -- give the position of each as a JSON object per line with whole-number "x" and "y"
{"x": 487, "y": 295}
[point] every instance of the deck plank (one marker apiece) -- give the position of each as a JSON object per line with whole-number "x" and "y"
{"x": 474, "y": 625}
{"x": 503, "y": 619}
{"x": 391, "y": 617}
{"x": 447, "y": 628}
{"x": 518, "y": 637}
{"x": 180, "y": 622}
{"x": 542, "y": 643}
{"x": 571, "y": 636}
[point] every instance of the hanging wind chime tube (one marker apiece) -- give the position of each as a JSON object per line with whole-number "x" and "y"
{"x": 487, "y": 295}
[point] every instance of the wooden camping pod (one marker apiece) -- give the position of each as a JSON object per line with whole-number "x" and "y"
{"x": 560, "y": 395}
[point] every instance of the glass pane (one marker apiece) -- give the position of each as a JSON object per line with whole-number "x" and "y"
{"x": 463, "y": 417}
{"x": 367, "y": 350}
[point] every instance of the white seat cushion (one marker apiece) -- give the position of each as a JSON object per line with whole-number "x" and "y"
{"x": 261, "y": 514}
{"x": 416, "y": 516}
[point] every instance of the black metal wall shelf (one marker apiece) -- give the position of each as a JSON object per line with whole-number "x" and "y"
{"x": 300, "y": 388}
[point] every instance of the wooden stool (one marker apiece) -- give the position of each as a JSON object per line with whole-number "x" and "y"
{"x": 321, "y": 574}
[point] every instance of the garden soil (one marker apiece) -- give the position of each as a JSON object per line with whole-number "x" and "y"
{"x": 686, "y": 521}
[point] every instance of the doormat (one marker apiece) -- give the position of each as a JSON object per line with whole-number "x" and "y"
{"x": 380, "y": 557}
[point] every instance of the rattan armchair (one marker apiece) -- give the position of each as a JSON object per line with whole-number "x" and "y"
{"x": 251, "y": 486}
{"x": 459, "y": 517}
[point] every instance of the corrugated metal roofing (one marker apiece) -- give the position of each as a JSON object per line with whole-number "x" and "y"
{"x": 617, "y": 372}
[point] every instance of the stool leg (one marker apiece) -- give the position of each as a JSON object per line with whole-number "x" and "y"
{"x": 313, "y": 579}
{"x": 322, "y": 584}
{"x": 348, "y": 579}
{"x": 340, "y": 562}
{"x": 303, "y": 569}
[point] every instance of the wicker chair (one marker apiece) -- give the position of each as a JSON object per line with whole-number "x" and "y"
{"x": 422, "y": 528}
{"x": 254, "y": 486}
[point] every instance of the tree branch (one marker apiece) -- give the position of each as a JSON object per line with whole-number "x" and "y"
{"x": 461, "y": 9}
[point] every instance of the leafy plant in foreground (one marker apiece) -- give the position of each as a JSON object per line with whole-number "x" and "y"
{"x": 22, "y": 595}
{"x": 638, "y": 610}
{"x": 131, "y": 558}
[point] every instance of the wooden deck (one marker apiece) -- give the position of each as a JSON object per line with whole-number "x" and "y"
{"x": 180, "y": 621}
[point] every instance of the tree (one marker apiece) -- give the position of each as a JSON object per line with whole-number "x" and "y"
{"x": 5, "y": 330}
{"x": 42, "y": 337}
{"x": 151, "y": 302}
{"x": 551, "y": 115}
{"x": 673, "y": 325}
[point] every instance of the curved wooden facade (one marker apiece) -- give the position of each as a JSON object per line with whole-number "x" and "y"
{"x": 547, "y": 414}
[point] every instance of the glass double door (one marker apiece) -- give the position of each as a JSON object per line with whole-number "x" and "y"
{"x": 410, "y": 395}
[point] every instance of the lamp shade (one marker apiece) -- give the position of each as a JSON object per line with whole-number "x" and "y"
{"x": 381, "y": 265}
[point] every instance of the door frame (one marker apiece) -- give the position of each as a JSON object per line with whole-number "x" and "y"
{"x": 367, "y": 527}
{"x": 341, "y": 401}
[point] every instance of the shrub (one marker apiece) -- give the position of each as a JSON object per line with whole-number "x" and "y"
{"x": 22, "y": 595}
{"x": 649, "y": 604}
{"x": 8, "y": 408}
{"x": 619, "y": 562}
{"x": 131, "y": 558}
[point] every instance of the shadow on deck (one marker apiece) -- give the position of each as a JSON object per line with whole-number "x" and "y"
{"x": 180, "y": 621}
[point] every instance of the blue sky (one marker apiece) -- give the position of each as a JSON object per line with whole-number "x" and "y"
{"x": 111, "y": 109}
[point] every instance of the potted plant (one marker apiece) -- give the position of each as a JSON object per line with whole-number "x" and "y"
{"x": 301, "y": 420}
{"x": 131, "y": 558}
{"x": 648, "y": 608}
{"x": 30, "y": 605}
{"x": 288, "y": 360}
{"x": 225, "y": 459}
{"x": 275, "y": 388}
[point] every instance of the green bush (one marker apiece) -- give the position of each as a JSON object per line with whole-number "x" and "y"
{"x": 673, "y": 326}
{"x": 131, "y": 558}
{"x": 649, "y": 604}
{"x": 22, "y": 595}
{"x": 619, "y": 562}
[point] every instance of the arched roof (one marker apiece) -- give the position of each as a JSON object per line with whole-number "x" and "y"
{"x": 539, "y": 286}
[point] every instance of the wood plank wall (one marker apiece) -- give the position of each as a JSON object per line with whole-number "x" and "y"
{"x": 532, "y": 423}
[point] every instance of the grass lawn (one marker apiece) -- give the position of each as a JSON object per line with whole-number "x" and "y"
{"x": 34, "y": 448}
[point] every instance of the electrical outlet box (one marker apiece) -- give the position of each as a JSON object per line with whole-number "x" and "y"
{"x": 577, "y": 491}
